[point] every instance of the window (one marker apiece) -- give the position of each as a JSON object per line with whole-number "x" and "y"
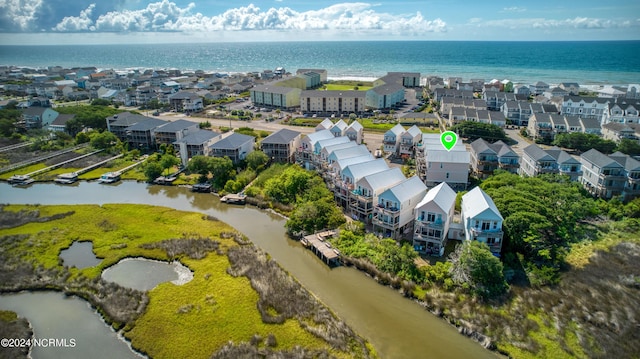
{"x": 493, "y": 240}
{"x": 447, "y": 174}
{"x": 431, "y": 217}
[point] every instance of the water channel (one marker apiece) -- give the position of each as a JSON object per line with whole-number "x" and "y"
{"x": 145, "y": 274}
{"x": 396, "y": 326}
{"x": 79, "y": 255}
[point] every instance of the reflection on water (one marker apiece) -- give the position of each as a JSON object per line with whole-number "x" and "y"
{"x": 52, "y": 315}
{"x": 397, "y": 327}
{"x": 145, "y": 274}
{"x": 79, "y": 255}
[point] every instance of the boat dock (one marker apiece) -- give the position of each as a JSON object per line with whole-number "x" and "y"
{"x": 232, "y": 198}
{"x": 112, "y": 177}
{"x": 318, "y": 243}
{"x": 69, "y": 178}
{"x": 26, "y": 163}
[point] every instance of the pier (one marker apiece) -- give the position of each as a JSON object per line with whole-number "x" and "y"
{"x": 112, "y": 177}
{"x": 23, "y": 179}
{"x": 71, "y": 177}
{"x": 26, "y": 163}
{"x": 321, "y": 247}
{"x": 232, "y": 198}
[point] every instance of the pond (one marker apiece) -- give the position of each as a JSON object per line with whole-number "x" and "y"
{"x": 79, "y": 255}
{"x": 145, "y": 274}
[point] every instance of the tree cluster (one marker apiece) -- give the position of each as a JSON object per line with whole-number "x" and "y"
{"x": 474, "y": 130}
{"x": 474, "y": 266}
{"x": 583, "y": 142}
{"x": 541, "y": 218}
{"x": 93, "y": 117}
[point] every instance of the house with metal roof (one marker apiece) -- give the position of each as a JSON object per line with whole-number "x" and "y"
{"x": 328, "y": 150}
{"x": 340, "y": 154}
{"x": 536, "y": 161}
{"x": 281, "y": 145}
{"x": 195, "y": 144}
{"x": 235, "y": 146}
{"x": 616, "y": 131}
{"x": 355, "y": 132}
{"x": 326, "y": 124}
{"x": 185, "y": 101}
{"x": 338, "y": 128}
{"x": 60, "y": 123}
{"x": 366, "y": 191}
{"x": 174, "y": 131}
{"x": 602, "y": 176}
{"x": 409, "y": 139}
{"x": 350, "y": 175}
{"x": 433, "y": 215}
{"x": 118, "y": 124}
{"x": 320, "y": 145}
{"x": 37, "y": 117}
{"x": 482, "y": 220}
{"x": 567, "y": 165}
{"x": 304, "y": 153}
{"x": 391, "y": 140}
{"x": 632, "y": 171}
{"x": 393, "y": 215}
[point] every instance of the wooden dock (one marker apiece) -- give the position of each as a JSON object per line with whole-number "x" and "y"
{"x": 233, "y": 198}
{"x": 318, "y": 243}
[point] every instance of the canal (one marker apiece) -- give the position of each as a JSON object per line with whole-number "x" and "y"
{"x": 396, "y": 326}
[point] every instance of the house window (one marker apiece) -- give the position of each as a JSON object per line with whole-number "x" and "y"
{"x": 485, "y": 226}
{"x": 431, "y": 217}
{"x": 447, "y": 174}
{"x": 493, "y": 240}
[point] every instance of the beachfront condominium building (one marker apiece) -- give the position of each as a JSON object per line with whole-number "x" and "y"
{"x": 385, "y": 96}
{"x": 281, "y": 145}
{"x": 624, "y": 110}
{"x": 275, "y": 96}
{"x": 586, "y": 107}
{"x": 332, "y": 102}
{"x": 321, "y": 72}
{"x": 481, "y": 219}
{"x": 432, "y": 218}
{"x": 365, "y": 194}
{"x": 405, "y": 79}
{"x": 393, "y": 215}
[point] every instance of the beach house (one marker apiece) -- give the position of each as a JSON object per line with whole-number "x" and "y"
{"x": 236, "y": 146}
{"x": 409, "y": 139}
{"x": 281, "y": 145}
{"x": 195, "y": 144}
{"x": 355, "y": 132}
{"x": 392, "y": 138}
{"x": 432, "y": 218}
{"x": 393, "y": 215}
{"x": 536, "y": 161}
{"x": 602, "y": 176}
{"x": 174, "y": 131}
{"x": 350, "y": 175}
{"x": 481, "y": 219}
{"x": 365, "y": 194}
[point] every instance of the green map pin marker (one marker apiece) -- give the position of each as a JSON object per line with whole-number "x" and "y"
{"x": 448, "y": 139}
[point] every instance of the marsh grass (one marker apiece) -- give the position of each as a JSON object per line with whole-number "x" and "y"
{"x": 212, "y": 310}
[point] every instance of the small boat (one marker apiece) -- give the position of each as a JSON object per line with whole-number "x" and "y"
{"x": 233, "y": 199}
{"x": 109, "y": 177}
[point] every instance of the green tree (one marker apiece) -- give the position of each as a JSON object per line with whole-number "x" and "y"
{"x": 100, "y": 102}
{"x": 152, "y": 170}
{"x": 475, "y": 130}
{"x": 629, "y": 146}
{"x": 256, "y": 160}
{"x": 473, "y": 265}
{"x": 103, "y": 140}
{"x": 200, "y": 164}
{"x": 82, "y": 137}
{"x": 222, "y": 170}
{"x": 167, "y": 161}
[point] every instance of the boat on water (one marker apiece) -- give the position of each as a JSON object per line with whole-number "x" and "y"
{"x": 201, "y": 187}
{"x": 234, "y": 198}
{"x": 67, "y": 178}
{"x": 109, "y": 177}
{"x": 20, "y": 180}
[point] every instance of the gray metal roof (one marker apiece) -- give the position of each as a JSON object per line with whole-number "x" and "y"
{"x": 146, "y": 125}
{"x": 442, "y": 195}
{"x": 233, "y": 141}
{"x": 359, "y": 170}
{"x": 176, "y": 126}
{"x": 199, "y": 137}
{"x": 406, "y": 189}
{"x": 599, "y": 159}
{"x": 382, "y": 180}
{"x": 476, "y": 203}
{"x": 282, "y": 136}
{"x": 537, "y": 153}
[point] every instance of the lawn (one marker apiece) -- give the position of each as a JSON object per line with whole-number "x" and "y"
{"x": 340, "y": 87}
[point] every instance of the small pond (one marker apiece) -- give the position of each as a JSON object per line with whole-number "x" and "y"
{"x": 145, "y": 274}
{"x": 79, "y": 255}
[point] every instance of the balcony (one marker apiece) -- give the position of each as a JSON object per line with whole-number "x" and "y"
{"x": 612, "y": 175}
{"x": 387, "y": 209}
{"x": 478, "y": 232}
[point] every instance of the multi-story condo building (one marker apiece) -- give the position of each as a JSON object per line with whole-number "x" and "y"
{"x": 536, "y": 161}
{"x": 632, "y": 171}
{"x": 432, "y": 218}
{"x": 602, "y": 176}
{"x": 336, "y": 102}
{"x": 393, "y": 215}
{"x": 541, "y": 126}
{"x": 276, "y": 96}
{"x": 184, "y": 101}
{"x": 142, "y": 135}
{"x": 304, "y": 155}
{"x": 616, "y": 131}
{"x": 567, "y": 165}
{"x": 366, "y": 191}
{"x": 481, "y": 219}
{"x": 175, "y": 131}
{"x": 496, "y": 99}
{"x": 624, "y": 110}
{"x": 487, "y": 157}
{"x": 587, "y": 107}
{"x": 343, "y": 185}
{"x": 384, "y": 96}
{"x": 118, "y": 124}
{"x": 235, "y": 146}
{"x": 195, "y": 144}
{"x": 281, "y": 146}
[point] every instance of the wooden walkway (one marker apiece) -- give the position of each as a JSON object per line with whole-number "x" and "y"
{"x": 320, "y": 246}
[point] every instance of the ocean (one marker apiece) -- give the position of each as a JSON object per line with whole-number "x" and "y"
{"x": 585, "y": 62}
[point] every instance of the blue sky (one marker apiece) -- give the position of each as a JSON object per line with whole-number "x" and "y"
{"x": 135, "y": 21}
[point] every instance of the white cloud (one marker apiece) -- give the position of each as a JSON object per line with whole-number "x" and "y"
{"x": 514, "y": 9}
{"x": 542, "y": 23}
{"x": 167, "y": 16}
{"x": 20, "y": 14}
{"x": 77, "y": 23}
